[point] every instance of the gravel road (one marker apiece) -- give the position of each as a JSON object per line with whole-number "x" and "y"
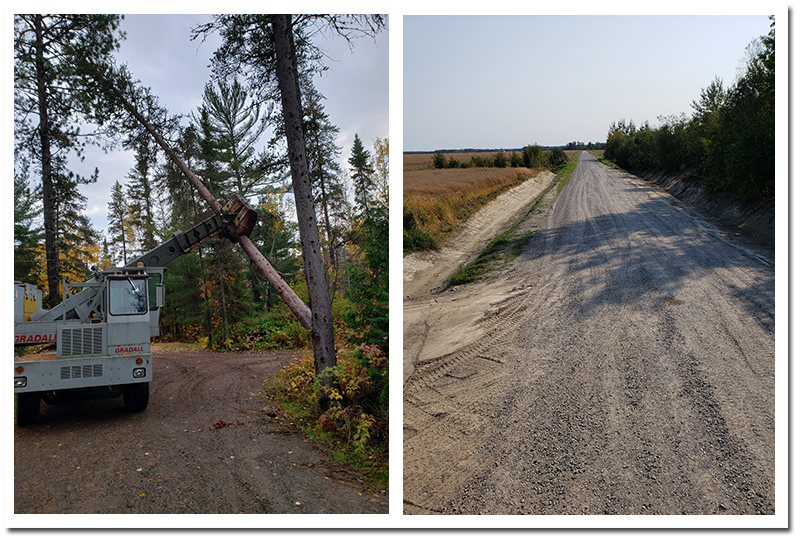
{"x": 625, "y": 365}
{"x": 206, "y": 444}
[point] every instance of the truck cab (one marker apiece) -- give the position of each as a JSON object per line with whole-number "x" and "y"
{"x": 100, "y": 333}
{"x": 99, "y": 339}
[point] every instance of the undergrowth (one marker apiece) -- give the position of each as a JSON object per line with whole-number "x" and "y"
{"x": 350, "y": 419}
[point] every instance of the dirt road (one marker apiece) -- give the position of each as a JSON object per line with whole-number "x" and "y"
{"x": 625, "y": 365}
{"x": 206, "y": 444}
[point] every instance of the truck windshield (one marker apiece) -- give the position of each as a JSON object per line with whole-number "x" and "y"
{"x": 127, "y": 296}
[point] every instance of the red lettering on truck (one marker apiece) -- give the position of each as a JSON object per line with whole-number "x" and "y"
{"x": 35, "y": 338}
{"x": 126, "y": 350}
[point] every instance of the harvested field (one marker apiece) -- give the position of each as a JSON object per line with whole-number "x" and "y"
{"x": 412, "y": 162}
{"x": 435, "y": 201}
{"x": 439, "y": 183}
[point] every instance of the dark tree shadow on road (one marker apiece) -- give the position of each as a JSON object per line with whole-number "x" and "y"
{"x": 654, "y": 250}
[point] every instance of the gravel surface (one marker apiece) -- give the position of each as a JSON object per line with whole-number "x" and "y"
{"x": 207, "y": 444}
{"x": 625, "y": 365}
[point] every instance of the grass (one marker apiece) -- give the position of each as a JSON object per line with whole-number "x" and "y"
{"x": 503, "y": 248}
{"x": 563, "y": 176}
{"x": 510, "y": 244}
{"x": 436, "y": 201}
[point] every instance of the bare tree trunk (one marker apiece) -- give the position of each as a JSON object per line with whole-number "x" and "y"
{"x": 322, "y": 315}
{"x": 224, "y": 309}
{"x": 48, "y": 198}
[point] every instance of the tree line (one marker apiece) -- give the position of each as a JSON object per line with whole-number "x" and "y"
{"x": 577, "y": 145}
{"x": 729, "y": 139}
{"x": 532, "y": 156}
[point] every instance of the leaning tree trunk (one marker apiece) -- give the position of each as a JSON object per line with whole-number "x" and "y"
{"x": 321, "y": 313}
{"x": 300, "y": 309}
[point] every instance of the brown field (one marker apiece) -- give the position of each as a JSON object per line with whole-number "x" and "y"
{"x": 436, "y": 183}
{"x": 413, "y": 162}
{"x": 437, "y": 200}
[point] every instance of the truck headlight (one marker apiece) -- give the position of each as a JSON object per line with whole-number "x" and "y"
{"x": 20, "y": 382}
{"x": 138, "y": 373}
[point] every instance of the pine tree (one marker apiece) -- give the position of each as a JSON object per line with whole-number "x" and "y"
{"x": 329, "y": 192}
{"x": 50, "y": 103}
{"x": 140, "y": 195}
{"x": 27, "y": 235}
{"x": 369, "y": 281}
{"x": 233, "y": 126}
{"x": 120, "y": 225}
{"x": 363, "y": 185}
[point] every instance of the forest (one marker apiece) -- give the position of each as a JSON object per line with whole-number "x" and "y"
{"x": 261, "y": 132}
{"x": 729, "y": 140}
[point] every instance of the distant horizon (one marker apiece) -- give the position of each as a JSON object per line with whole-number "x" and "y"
{"x": 497, "y": 148}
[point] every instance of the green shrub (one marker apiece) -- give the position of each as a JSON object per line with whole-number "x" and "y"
{"x": 439, "y": 161}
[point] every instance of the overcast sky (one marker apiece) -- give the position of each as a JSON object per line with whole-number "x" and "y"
{"x": 508, "y": 81}
{"x": 158, "y": 52}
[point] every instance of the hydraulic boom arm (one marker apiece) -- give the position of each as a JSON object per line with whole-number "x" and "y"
{"x": 234, "y": 218}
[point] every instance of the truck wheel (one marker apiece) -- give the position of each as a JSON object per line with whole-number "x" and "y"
{"x": 136, "y": 396}
{"x": 28, "y": 408}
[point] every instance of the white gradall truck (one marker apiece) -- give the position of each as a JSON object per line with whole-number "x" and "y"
{"x": 102, "y": 328}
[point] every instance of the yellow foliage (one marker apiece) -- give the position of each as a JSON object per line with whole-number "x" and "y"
{"x": 67, "y": 253}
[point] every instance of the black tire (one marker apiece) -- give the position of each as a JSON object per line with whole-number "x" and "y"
{"x": 136, "y": 396}
{"x": 28, "y": 408}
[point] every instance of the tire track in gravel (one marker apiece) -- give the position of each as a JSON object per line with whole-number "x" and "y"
{"x": 632, "y": 371}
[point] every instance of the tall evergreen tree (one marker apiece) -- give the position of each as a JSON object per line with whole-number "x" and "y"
{"x": 324, "y": 169}
{"x": 369, "y": 280}
{"x": 140, "y": 194}
{"x": 221, "y": 263}
{"x": 120, "y": 225}
{"x": 274, "y": 50}
{"x": 234, "y": 124}
{"x": 363, "y": 184}
{"x": 27, "y": 234}
{"x": 50, "y": 103}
